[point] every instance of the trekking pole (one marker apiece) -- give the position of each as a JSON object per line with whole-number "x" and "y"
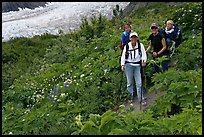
{"x": 119, "y": 90}
{"x": 141, "y": 71}
{"x": 172, "y": 49}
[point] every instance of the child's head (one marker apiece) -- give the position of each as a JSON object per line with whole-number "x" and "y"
{"x": 169, "y": 24}
{"x": 127, "y": 27}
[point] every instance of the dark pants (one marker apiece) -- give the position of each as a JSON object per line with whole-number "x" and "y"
{"x": 164, "y": 65}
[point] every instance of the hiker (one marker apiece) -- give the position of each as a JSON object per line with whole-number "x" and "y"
{"x": 172, "y": 33}
{"x": 158, "y": 42}
{"x": 133, "y": 58}
{"x": 125, "y": 35}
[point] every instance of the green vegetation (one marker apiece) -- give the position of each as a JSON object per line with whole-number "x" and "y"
{"x": 68, "y": 84}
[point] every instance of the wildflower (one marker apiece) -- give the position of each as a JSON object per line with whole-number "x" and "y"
{"x": 190, "y": 52}
{"x": 196, "y": 86}
{"x": 10, "y": 133}
{"x": 30, "y": 106}
{"x": 58, "y": 90}
{"x": 49, "y": 97}
{"x": 193, "y": 32}
{"x": 63, "y": 94}
{"x": 54, "y": 92}
{"x": 196, "y": 66}
{"x": 82, "y": 75}
{"x": 105, "y": 71}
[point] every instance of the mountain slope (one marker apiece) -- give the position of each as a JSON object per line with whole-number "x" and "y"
{"x": 68, "y": 84}
{"x": 14, "y": 6}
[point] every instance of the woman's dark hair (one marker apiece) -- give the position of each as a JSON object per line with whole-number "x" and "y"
{"x": 125, "y": 25}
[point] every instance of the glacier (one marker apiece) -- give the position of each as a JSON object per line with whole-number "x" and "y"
{"x": 54, "y": 17}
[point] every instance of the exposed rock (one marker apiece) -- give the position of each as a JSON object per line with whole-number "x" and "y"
{"x": 14, "y": 6}
{"x": 133, "y": 6}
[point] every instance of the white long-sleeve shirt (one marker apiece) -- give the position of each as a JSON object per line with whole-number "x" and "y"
{"x": 134, "y": 54}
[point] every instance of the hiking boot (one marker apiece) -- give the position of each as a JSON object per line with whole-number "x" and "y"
{"x": 144, "y": 103}
{"x": 145, "y": 98}
{"x": 129, "y": 104}
{"x": 130, "y": 101}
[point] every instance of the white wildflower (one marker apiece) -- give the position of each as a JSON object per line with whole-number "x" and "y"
{"x": 82, "y": 75}
{"x": 105, "y": 71}
{"x": 196, "y": 86}
{"x": 63, "y": 94}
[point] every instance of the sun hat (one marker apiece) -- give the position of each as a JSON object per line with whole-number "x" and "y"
{"x": 133, "y": 34}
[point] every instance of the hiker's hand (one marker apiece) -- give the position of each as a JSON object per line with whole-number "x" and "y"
{"x": 122, "y": 68}
{"x": 143, "y": 64}
{"x": 154, "y": 54}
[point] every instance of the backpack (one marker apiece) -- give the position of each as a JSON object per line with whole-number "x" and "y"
{"x": 139, "y": 49}
{"x": 176, "y": 35}
{"x": 121, "y": 45}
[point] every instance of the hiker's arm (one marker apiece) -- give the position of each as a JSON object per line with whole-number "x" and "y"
{"x": 123, "y": 40}
{"x": 122, "y": 61}
{"x": 164, "y": 46}
{"x": 149, "y": 47}
{"x": 144, "y": 55}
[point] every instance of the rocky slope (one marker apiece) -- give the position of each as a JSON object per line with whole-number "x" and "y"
{"x": 134, "y": 6}
{"x": 14, "y": 6}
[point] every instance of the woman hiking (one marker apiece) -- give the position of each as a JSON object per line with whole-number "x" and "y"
{"x": 158, "y": 42}
{"x": 133, "y": 58}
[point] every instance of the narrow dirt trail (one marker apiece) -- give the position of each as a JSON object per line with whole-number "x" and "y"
{"x": 150, "y": 99}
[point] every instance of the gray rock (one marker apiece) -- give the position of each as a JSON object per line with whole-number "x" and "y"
{"x": 13, "y": 6}
{"x": 134, "y": 6}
